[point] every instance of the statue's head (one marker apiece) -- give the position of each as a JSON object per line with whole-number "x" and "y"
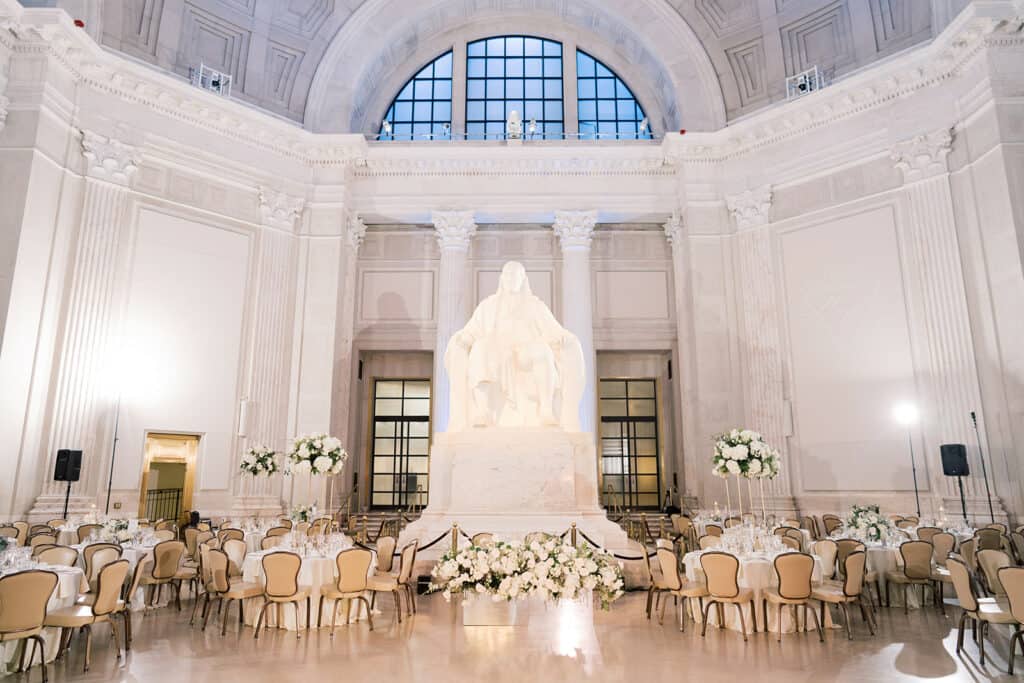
{"x": 513, "y": 279}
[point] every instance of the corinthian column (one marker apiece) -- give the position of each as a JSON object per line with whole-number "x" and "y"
{"x": 85, "y": 395}
{"x": 575, "y": 230}
{"x": 945, "y": 367}
{"x": 455, "y": 230}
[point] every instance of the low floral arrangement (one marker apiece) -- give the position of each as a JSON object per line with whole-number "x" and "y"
{"x": 303, "y": 513}
{"x": 260, "y": 462}
{"x": 744, "y": 453}
{"x": 115, "y": 531}
{"x": 4, "y": 543}
{"x": 316, "y": 454}
{"x": 867, "y": 523}
{"x": 553, "y": 569}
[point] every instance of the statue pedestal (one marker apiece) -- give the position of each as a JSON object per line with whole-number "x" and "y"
{"x": 510, "y": 482}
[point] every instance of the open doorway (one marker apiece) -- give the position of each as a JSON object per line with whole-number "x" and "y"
{"x": 168, "y": 477}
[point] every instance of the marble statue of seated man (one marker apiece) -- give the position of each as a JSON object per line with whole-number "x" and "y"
{"x": 513, "y": 364}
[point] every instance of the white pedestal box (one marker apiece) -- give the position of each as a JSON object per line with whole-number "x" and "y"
{"x": 510, "y": 482}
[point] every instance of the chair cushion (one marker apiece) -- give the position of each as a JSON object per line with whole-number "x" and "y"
{"x": 72, "y": 617}
{"x": 243, "y": 589}
{"x": 692, "y": 589}
{"x": 829, "y": 593}
{"x": 382, "y": 583}
{"x": 772, "y": 594}
{"x": 941, "y": 574}
{"x": 86, "y": 599}
{"x": 897, "y": 576}
{"x": 995, "y": 613}
{"x": 331, "y": 592}
{"x": 18, "y": 635}
{"x": 745, "y": 595}
{"x": 302, "y": 594}
{"x": 185, "y": 573}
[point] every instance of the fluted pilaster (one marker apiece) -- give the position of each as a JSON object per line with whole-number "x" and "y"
{"x": 575, "y": 231}
{"x": 455, "y": 230}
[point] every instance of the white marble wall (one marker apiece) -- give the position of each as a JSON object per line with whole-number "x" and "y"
{"x": 827, "y": 255}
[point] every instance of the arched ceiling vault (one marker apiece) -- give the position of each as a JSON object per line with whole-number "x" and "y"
{"x": 334, "y": 64}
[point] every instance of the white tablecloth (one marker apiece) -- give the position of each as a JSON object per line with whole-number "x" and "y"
{"x": 314, "y": 573}
{"x": 757, "y": 571}
{"x": 64, "y": 595}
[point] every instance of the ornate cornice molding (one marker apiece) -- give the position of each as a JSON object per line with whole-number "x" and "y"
{"x": 279, "y": 209}
{"x": 675, "y": 230}
{"x": 575, "y": 229}
{"x": 751, "y": 208}
{"x": 654, "y": 164}
{"x": 923, "y": 156}
{"x": 108, "y": 159}
{"x": 455, "y": 229}
{"x": 355, "y": 232}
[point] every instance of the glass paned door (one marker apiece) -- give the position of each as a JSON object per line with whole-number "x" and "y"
{"x": 400, "y": 448}
{"x": 630, "y": 466}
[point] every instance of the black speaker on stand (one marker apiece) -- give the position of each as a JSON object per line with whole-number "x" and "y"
{"x": 68, "y": 468}
{"x": 954, "y": 464}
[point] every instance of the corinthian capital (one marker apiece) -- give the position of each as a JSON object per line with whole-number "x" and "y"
{"x": 575, "y": 229}
{"x": 278, "y": 209}
{"x": 674, "y": 230}
{"x": 355, "y": 231}
{"x": 455, "y": 229}
{"x": 751, "y": 208}
{"x": 109, "y": 159}
{"x": 923, "y": 156}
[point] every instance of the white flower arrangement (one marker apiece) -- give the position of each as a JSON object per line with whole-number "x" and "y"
{"x": 115, "y": 531}
{"x": 553, "y": 569}
{"x": 260, "y": 462}
{"x": 316, "y": 454}
{"x": 303, "y": 513}
{"x": 866, "y": 523}
{"x": 744, "y": 453}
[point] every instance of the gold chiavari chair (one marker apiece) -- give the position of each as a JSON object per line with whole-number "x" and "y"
{"x": 108, "y": 603}
{"x": 712, "y": 530}
{"x": 59, "y": 555}
{"x": 230, "y": 534}
{"x": 351, "y": 585}
{"x": 482, "y": 539}
{"x": 41, "y": 539}
{"x": 86, "y": 530}
{"x": 23, "y": 599}
{"x": 657, "y": 582}
{"x": 279, "y": 531}
{"x": 220, "y": 588}
{"x": 1012, "y": 579}
{"x": 166, "y": 570}
{"x": 826, "y": 549}
{"x": 127, "y": 594}
{"x": 397, "y": 585}
{"x": 721, "y": 570}
{"x": 942, "y": 545}
{"x": 95, "y": 557}
{"x": 235, "y": 550}
{"x": 708, "y": 541}
{"x": 990, "y": 562}
{"x": 845, "y": 546}
{"x": 268, "y": 542}
{"x": 385, "y": 554}
{"x": 982, "y": 611}
{"x": 794, "y": 572}
{"x": 988, "y": 539}
{"x": 926, "y": 533}
{"x": 850, "y": 591}
{"x": 282, "y": 587}
{"x": 674, "y": 584}
{"x": 916, "y": 571}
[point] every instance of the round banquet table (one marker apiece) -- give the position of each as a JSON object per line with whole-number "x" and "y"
{"x": 757, "y": 572}
{"x": 315, "y": 572}
{"x": 64, "y": 595}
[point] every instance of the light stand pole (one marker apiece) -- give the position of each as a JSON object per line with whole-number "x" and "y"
{"x": 913, "y": 470}
{"x": 113, "y": 453}
{"x": 984, "y": 471}
{"x": 906, "y": 414}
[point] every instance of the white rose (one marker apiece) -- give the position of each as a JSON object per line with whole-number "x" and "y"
{"x": 322, "y": 464}
{"x": 740, "y": 452}
{"x": 338, "y": 467}
{"x": 301, "y": 467}
{"x": 303, "y": 451}
{"x": 331, "y": 444}
{"x": 754, "y": 467}
{"x": 733, "y": 466}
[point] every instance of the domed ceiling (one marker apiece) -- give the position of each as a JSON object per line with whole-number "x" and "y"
{"x": 273, "y": 48}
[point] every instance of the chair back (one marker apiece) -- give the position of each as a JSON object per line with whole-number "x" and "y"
{"x": 235, "y": 550}
{"x": 42, "y": 547}
{"x": 826, "y": 549}
{"x": 285, "y": 522}
{"x": 906, "y": 524}
{"x": 926, "y": 533}
{"x": 59, "y": 555}
{"x": 301, "y": 528}
{"x": 97, "y": 556}
{"x": 681, "y": 524}
{"x": 109, "y": 586}
{"x": 732, "y": 521}
{"x": 807, "y": 522}
{"x": 917, "y": 559}
{"x": 912, "y": 518}
{"x": 669, "y": 563}
{"x": 991, "y": 561}
{"x": 140, "y": 570}
{"x": 795, "y": 523}
{"x": 191, "y": 544}
{"x": 40, "y": 539}
{"x": 167, "y": 559}
{"x": 41, "y": 529}
{"x": 967, "y": 549}
{"x": 832, "y": 523}
{"x": 23, "y": 598}
{"x": 166, "y": 525}
{"x": 216, "y": 567}
{"x": 942, "y": 545}
{"x": 845, "y": 546}
{"x": 994, "y": 525}
{"x": 230, "y": 534}
{"x": 22, "y": 528}
{"x": 709, "y": 541}
{"x": 791, "y": 543}
{"x": 482, "y": 539}
{"x": 353, "y": 565}
{"x": 9, "y": 531}
{"x": 960, "y": 575}
{"x": 1017, "y": 543}
{"x": 279, "y": 531}
{"x": 794, "y": 571}
{"x": 988, "y": 539}
{"x": 853, "y": 572}
{"x": 386, "y": 553}
{"x": 712, "y": 530}
{"x": 86, "y": 530}
{"x": 163, "y": 535}
{"x": 1012, "y": 580}
{"x": 282, "y": 572}
{"x": 269, "y": 542}
{"x": 722, "y": 571}
{"x": 406, "y": 562}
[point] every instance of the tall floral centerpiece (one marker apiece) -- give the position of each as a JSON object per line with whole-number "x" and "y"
{"x": 867, "y": 523}
{"x": 317, "y": 455}
{"x": 260, "y": 461}
{"x": 553, "y": 569}
{"x": 744, "y": 453}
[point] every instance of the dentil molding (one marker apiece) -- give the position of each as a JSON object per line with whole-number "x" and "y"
{"x": 279, "y": 209}
{"x": 455, "y": 229}
{"x": 575, "y": 229}
{"x": 108, "y": 159}
{"x": 923, "y": 156}
{"x": 751, "y": 208}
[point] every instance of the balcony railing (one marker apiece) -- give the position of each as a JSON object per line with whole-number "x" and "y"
{"x": 163, "y": 504}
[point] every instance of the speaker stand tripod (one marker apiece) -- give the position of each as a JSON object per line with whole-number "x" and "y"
{"x": 67, "y": 497}
{"x": 963, "y": 500}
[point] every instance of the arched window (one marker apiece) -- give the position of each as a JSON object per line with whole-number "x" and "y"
{"x": 607, "y": 108}
{"x": 514, "y": 73}
{"x": 423, "y": 108}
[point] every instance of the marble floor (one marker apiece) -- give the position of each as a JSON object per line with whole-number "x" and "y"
{"x": 620, "y": 645}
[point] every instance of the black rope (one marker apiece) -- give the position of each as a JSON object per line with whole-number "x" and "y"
{"x": 434, "y": 542}
{"x": 615, "y": 555}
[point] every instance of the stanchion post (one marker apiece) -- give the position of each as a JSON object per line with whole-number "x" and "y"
{"x": 643, "y": 531}
{"x": 573, "y": 534}
{"x": 661, "y": 527}
{"x": 455, "y": 538}
{"x": 366, "y": 535}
